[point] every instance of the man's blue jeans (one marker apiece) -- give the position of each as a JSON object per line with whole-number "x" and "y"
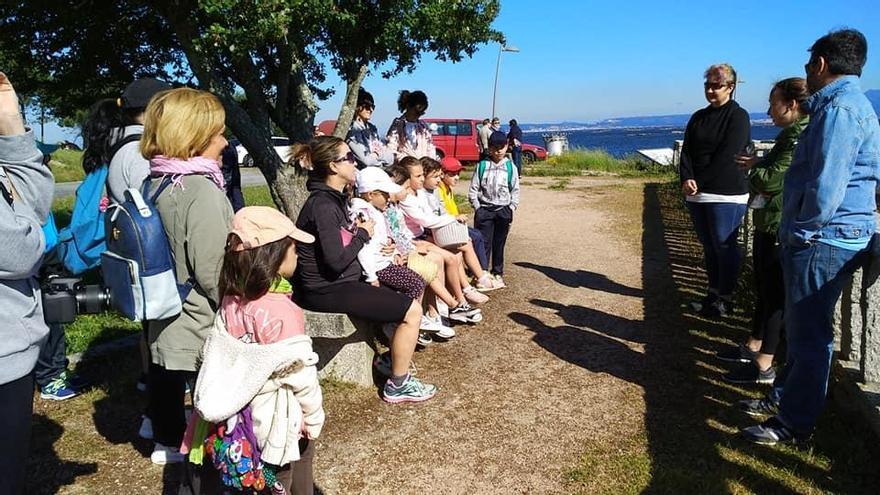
{"x": 815, "y": 275}
{"x": 717, "y": 226}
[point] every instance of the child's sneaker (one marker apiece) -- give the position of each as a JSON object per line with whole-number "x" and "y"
{"x": 146, "y": 429}
{"x": 499, "y": 282}
{"x": 58, "y": 389}
{"x": 474, "y": 296}
{"x": 465, "y": 313}
{"x": 486, "y": 283}
{"x": 412, "y": 390}
{"x": 444, "y": 331}
{"x": 430, "y": 325}
{"x": 424, "y": 339}
{"x": 162, "y": 454}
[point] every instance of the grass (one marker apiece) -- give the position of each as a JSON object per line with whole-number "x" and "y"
{"x": 66, "y": 166}
{"x": 594, "y": 162}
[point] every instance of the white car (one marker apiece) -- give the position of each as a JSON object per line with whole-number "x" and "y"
{"x": 282, "y": 147}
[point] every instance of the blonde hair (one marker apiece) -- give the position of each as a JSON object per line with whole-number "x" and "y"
{"x": 180, "y": 123}
{"x": 725, "y": 71}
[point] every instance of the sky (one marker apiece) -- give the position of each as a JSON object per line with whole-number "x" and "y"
{"x": 587, "y": 60}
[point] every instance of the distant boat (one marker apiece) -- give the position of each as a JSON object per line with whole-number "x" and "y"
{"x": 660, "y": 156}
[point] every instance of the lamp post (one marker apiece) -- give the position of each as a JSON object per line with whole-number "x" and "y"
{"x": 504, "y": 48}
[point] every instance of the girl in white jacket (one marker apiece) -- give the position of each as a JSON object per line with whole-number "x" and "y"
{"x": 277, "y": 377}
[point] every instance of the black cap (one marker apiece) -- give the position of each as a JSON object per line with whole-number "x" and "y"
{"x": 138, "y": 93}
{"x": 497, "y": 139}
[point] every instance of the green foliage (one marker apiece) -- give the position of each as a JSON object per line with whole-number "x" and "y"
{"x": 581, "y": 161}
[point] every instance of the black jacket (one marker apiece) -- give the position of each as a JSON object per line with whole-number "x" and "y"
{"x": 327, "y": 262}
{"x": 712, "y": 138}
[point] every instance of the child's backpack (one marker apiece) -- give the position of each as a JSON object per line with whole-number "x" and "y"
{"x": 481, "y": 168}
{"x": 81, "y": 243}
{"x": 138, "y": 266}
{"x": 235, "y": 453}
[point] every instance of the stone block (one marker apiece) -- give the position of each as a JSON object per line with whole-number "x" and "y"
{"x": 345, "y": 347}
{"x": 870, "y": 345}
{"x": 852, "y": 319}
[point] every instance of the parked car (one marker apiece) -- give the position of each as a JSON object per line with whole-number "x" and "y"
{"x": 280, "y": 143}
{"x": 458, "y": 138}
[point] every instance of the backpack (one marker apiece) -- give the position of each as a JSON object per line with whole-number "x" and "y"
{"x": 81, "y": 243}
{"x": 481, "y": 168}
{"x": 138, "y": 265}
{"x": 235, "y": 454}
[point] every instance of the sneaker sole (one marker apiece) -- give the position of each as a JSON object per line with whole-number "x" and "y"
{"x": 465, "y": 319}
{"x": 485, "y": 290}
{"x": 56, "y": 398}
{"x": 755, "y": 414}
{"x": 759, "y": 381}
{"x": 401, "y": 400}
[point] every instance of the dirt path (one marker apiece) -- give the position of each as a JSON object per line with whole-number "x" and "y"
{"x": 518, "y": 401}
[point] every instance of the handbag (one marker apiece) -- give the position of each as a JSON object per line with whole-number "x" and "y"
{"x": 452, "y": 235}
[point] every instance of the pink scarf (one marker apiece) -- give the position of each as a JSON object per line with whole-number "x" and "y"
{"x": 162, "y": 166}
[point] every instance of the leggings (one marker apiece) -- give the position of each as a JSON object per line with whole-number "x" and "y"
{"x": 357, "y": 299}
{"x": 16, "y": 409}
{"x": 767, "y": 321}
{"x": 403, "y": 280}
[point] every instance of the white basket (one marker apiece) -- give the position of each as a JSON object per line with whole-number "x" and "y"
{"x": 452, "y": 235}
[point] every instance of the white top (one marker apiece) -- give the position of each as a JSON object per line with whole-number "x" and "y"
{"x": 702, "y": 197}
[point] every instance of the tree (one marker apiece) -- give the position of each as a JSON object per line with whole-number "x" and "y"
{"x": 274, "y": 52}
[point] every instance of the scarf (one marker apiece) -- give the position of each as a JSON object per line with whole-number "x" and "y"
{"x": 177, "y": 168}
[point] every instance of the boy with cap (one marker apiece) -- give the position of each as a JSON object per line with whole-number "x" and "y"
{"x": 128, "y": 168}
{"x": 376, "y": 188}
{"x": 445, "y": 192}
{"x": 494, "y": 195}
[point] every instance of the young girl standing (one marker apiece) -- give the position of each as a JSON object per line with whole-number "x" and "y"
{"x": 263, "y": 359}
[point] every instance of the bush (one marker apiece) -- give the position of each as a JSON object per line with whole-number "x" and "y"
{"x": 581, "y": 161}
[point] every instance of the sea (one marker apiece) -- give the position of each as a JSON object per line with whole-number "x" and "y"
{"x": 623, "y": 141}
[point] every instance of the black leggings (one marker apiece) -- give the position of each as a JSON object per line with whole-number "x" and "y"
{"x": 167, "y": 393}
{"x": 357, "y": 299}
{"x": 767, "y": 321}
{"x": 16, "y": 409}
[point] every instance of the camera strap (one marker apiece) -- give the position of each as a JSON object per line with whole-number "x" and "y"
{"x": 6, "y": 194}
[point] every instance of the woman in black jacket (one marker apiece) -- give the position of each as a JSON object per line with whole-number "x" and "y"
{"x": 715, "y": 188}
{"x": 328, "y": 275}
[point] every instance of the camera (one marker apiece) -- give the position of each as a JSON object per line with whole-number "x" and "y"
{"x": 66, "y": 297}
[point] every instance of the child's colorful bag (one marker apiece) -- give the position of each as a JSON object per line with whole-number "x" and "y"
{"x": 235, "y": 453}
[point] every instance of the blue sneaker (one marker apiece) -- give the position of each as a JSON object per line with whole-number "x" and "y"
{"x": 58, "y": 389}
{"x": 412, "y": 390}
{"x": 75, "y": 381}
{"x": 772, "y": 432}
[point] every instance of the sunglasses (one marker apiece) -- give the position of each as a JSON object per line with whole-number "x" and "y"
{"x": 348, "y": 157}
{"x": 368, "y": 106}
{"x": 715, "y": 86}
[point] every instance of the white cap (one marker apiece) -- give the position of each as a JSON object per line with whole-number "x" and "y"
{"x": 375, "y": 179}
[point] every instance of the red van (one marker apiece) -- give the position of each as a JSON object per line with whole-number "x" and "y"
{"x": 458, "y": 138}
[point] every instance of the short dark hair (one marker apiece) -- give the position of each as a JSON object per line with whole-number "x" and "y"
{"x": 410, "y": 99}
{"x": 845, "y": 51}
{"x": 429, "y": 164}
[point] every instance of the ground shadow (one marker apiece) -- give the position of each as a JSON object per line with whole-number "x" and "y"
{"x": 46, "y": 471}
{"x": 689, "y": 419}
{"x": 582, "y": 278}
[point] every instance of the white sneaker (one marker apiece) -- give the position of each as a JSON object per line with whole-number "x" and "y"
{"x": 146, "y": 429}
{"x": 162, "y": 454}
{"x": 499, "y": 282}
{"x": 443, "y": 331}
{"x": 429, "y": 324}
{"x": 474, "y": 296}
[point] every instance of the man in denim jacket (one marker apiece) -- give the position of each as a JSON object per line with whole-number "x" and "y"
{"x": 827, "y": 224}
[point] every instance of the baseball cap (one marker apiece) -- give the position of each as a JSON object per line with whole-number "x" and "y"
{"x": 375, "y": 179}
{"x": 138, "y": 93}
{"x": 260, "y": 225}
{"x": 497, "y": 139}
{"x": 450, "y": 165}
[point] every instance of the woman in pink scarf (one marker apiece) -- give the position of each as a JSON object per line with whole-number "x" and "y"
{"x": 183, "y": 139}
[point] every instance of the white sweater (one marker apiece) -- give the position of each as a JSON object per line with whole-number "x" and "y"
{"x": 370, "y": 256}
{"x": 279, "y": 381}
{"x": 420, "y": 214}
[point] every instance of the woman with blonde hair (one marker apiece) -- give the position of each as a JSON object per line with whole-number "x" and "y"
{"x": 183, "y": 139}
{"x": 714, "y": 186}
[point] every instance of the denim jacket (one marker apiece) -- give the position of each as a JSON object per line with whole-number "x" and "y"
{"x": 829, "y": 190}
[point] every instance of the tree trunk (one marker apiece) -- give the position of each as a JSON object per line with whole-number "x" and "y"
{"x": 349, "y": 105}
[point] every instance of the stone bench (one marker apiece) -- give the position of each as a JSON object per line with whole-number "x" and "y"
{"x": 344, "y": 346}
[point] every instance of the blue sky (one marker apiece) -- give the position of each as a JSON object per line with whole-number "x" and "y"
{"x": 586, "y": 60}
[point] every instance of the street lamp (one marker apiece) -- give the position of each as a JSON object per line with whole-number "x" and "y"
{"x": 504, "y": 48}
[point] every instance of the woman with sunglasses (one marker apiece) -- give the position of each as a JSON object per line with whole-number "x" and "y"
{"x": 363, "y": 137}
{"x": 328, "y": 276}
{"x": 408, "y": 134}
{"x": 715, "y": 188}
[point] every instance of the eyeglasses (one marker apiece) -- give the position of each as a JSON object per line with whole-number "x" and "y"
{"x": 715, "y": 86}
{"x": 348, "y": 157}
